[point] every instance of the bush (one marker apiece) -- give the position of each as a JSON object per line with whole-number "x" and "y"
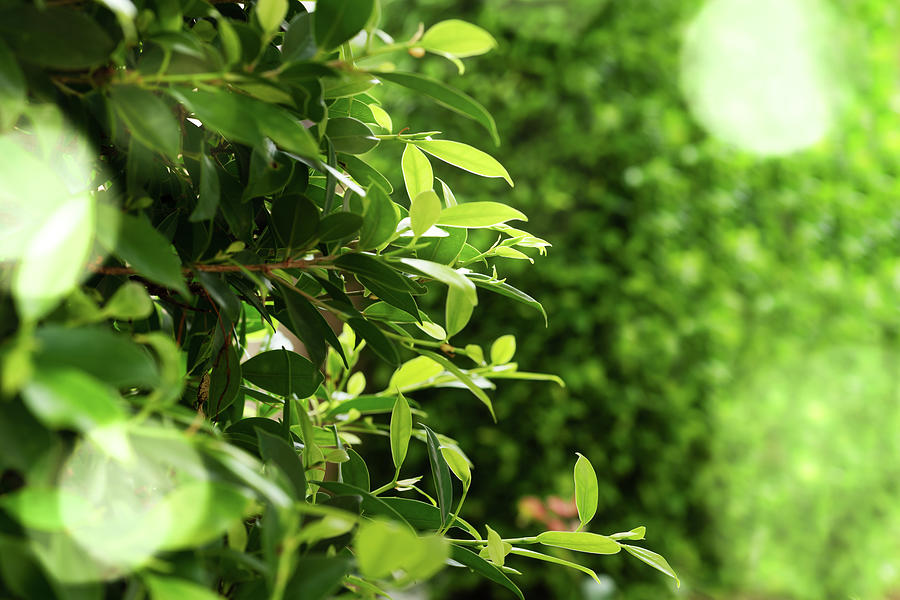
{"x": 181, "y": 181}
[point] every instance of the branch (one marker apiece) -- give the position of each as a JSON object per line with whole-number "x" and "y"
{"x": 265, "y": 267}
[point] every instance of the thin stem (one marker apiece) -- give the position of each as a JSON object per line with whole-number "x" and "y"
{"x": 388, "y": 486}
{"x": 320, "y": 262}
{"x": 452, "y": 519}
{"x": 521, "y": 540}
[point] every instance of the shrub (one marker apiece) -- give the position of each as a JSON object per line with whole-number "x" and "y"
{"x": 181, "y": 180}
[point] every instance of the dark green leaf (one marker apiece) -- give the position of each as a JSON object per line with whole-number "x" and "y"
{"x": 379, "y": 219}
{"x": 336, "y": 21}
{"x": 269, "y": 370}
{"x": 387, "y": 312}
{"x": 275, "y": 449}
{"x": 364, "y": 174}
{"x": 376, "y": 340}
{"x": 355, "y": 472}
{"x": 364, "y": 404}
{"x": 374, "y": 269}
{"x": 447, "y": 97}
{"x": 504, "y": 289}
{"x": 443, "y": 250}
{"x": 299, "y": 43}
{"x": 309, "y": 324}
{"x": 440, "y": 473}
{"x": 371, "y": 505}
{"x": 270, "y": 171}
{"x": 484, "y": 568}
{"x": 12, "y": 88}
{"x": 295, "y": 220}
{"x": 317, "y": 577}
{"x": 208, "y": 201}
{"x": 55, "y": 36}
{"x": 149, "y": 118}
{"x": 225, "y": 381}
{"x": 350, "y": 135}
{"x": 338, "y": 226}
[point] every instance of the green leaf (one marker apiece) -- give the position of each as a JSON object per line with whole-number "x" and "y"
{"x": 401, "y": 430}
{"x": 270, "y": 14}
{"x": 424, "y": 212}
{"x": 457, "y": 38}
{"x": 355, "y": 472}
{"x": 364, "y": 173}
{"x": 350, "y": 135}
{"x": 382, "y": 117}
{"x": 371, "y": 505}
{"x": 338, "y": 226}
{"x": 108, "y": 356}
{"x": 447, "y": 97}
{"x": 54, "y": 257}
{"x": 495, "y": 547}
{"x": 580, "y": 541}
{"x": 310, "y": 325}
{"x": 299, "y": 43}
{"x": 270, "y": 171}
{"x": 210, "y": 192}
{"x": 12, "y": 88}
{"x": 55, "y": 36}
{"x": 446, "y": 275}
{"x": 131, "y": 301}
{"x": 274, "y": 449}
{"x": 317, "y": 577}
{"x": 351, "y": 83}
{"x": 379, "y": 219}
{"x": 268, "y": 370}
{"x": 462, "y": 377}
{"x": 465, "y": 157}
{"x": 151, "y": 255}
{"x": 458, "y": 464}
{"x": 149, "y": 118}
{"x": 70, "y": 398}
{"x": 417, "y": 173}
{"x": 458, "y": 311}
{"x": 479, "y": 214}
{"x": 225, "y": 381}
{"x": 504, "y": 289}
{"x": 586, "y": 490}
{"x": 413, "y": 372}
{"x": 554, "y": 560}
{"x": 653, "y": 559}
{"x": 375, "y": 269}
{"x": 503, "y": 349}
{"x": 440, "y": 474}
{"x": 172, "y": 588}
{"x": 295, "y": 219}
{"x": 383, "y": 547}
{"x": 635, "y": 534}
{"x": 484, "y": 568}
{"x": 375, "y": 339}
{"x": 336, "y": 21}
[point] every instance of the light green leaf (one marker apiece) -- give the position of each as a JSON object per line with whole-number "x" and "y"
{"x": 580, "y": 541}
{"x": 417, "y": 174}
{"x": 462, "y": 376}
{"x": 383, "y": 547}
{"x": 635, "y": 534}
{"x": 131, "y": 301}
{"x": 446, "y": 275}
{"x": 503, "y": 349}
{"x": 459, "y": 464}
{"x": 479, "y": 214}
{"x": 172, "y": 588}
{"x": 458, "y": 311}
{"x": 446, "y": 96}
{"x": 401, "y": 430}
{"x": 54, "y": 257}
{"x": 465, "y": 157}
{"x": 424, "y": 212}
{"x": 653, "y": 559}
{"x": 495, "y": 547}
{"x": 586, "y": 490}
{"x": 382, "y": 117}
{"x": 554, "y": 560}
{"x": 413, "y": 372}
{"x": 457, "y": 38}
{"x": 150, "y": 119}
{"x": 71, "y": 398}
{"x": 270, "y": 14}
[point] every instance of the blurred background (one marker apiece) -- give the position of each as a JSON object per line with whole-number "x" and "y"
{"x": 719, "y": 180}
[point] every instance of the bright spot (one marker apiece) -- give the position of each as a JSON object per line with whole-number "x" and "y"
{"x": 755, "y": 73}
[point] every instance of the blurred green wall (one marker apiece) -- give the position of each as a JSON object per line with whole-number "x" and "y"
{"x": 727, "y": 324}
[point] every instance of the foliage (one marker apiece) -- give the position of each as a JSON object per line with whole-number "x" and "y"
{"x": 181, "y": 179}
{"x": 682, "y": 273}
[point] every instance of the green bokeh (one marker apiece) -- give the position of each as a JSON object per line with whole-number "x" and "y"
{"x": 704, "y": 304}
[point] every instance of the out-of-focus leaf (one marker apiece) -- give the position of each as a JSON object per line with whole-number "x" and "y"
{"x": 336, "y": 21}
{"x": 149, "y": 118}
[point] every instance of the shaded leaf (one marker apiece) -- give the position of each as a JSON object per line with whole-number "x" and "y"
{"x": 269, "y": 371}
{"x": 440, "y": 474}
